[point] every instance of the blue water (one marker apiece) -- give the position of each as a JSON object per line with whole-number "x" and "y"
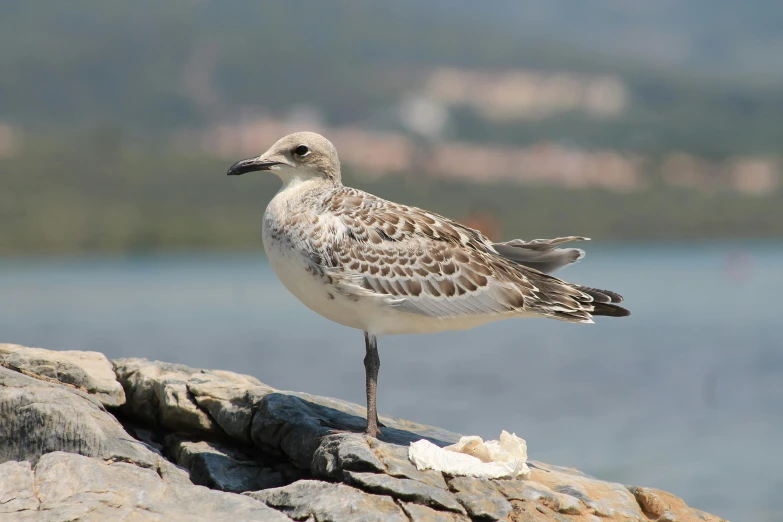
{"x": 685, "y": 395}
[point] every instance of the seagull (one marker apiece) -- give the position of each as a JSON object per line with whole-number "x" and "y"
{"x": 386, "y": 268}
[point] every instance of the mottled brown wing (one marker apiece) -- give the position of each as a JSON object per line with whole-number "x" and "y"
{"x": 372, "y": 219}
{"x": 430, "y": 265}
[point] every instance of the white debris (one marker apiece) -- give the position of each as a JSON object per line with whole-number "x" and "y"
{"x": 472, "y": 457}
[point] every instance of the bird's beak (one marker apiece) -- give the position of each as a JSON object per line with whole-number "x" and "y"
{"x": 252, "y": 165}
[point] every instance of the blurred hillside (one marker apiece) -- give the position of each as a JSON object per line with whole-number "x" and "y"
{"x": 719, "y": 38}
{"x": 117, "y": 120}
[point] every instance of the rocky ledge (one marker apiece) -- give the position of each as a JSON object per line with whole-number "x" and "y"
{"x": 85, "y": 438}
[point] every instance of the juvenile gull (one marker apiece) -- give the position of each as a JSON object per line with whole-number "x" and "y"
{"x": 386, "y": 268}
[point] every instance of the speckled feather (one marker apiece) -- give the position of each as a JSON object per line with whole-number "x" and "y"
{"x": 420, "y": 262}
{"x": 383, "y": 267}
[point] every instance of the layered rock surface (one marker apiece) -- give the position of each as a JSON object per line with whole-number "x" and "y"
{"x": 83, "y": 438}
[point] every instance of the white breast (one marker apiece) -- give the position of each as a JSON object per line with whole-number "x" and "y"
{"x": 287, "y": 256}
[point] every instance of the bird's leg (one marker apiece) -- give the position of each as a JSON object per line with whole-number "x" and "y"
{"x": 371, "y": 365}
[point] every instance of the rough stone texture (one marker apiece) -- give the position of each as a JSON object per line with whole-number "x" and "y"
{"x": 665, "y": 506}
{"x": 17, "y": 491}
{"x": 64, "y": 487}
{"x": 395, "y": 459}
{"x": 604, "y": 498}
{"x": 220, "y": 467}
{"x": 650, "y": 503}
{"x": 481, "y": 498}
{"x": 294, "y": 424}
{"x": 537, "y": 492}
{"x": 419, "y": 513}
{"x": 90, "y": 372}
{"x": 38, "y": 417}
{"x": 343, "y": 452}
{"x": 235, "y": 434}
{"x": 330, "y": 502}
{"x": 215, "y": 403}
{"x": 229, "y": 398}
{"x": 160, "y": 395}
{"x": 405, "y": 489}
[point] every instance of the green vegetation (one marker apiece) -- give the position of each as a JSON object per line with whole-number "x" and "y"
{"x": 149, "y": 66}
{"x": 98, "y": 87}
{"x": 101, "y": 193}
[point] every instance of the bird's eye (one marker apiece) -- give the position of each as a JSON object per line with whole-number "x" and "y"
{"x": 302, "y": 150}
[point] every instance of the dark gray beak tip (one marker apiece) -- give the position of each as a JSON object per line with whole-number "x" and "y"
{"x": 240, "y": 167}
{"x": 249, "y": 165}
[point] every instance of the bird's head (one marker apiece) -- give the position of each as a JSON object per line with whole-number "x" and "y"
{"x": 302, "y": 156}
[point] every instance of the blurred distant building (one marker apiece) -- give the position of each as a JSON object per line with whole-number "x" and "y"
{"x": 508, "y": 95}
{"x": 423, "y": 116}
{"x": 375, "y": 153}
{"x": 10, "y": 140}
{"x": 755, "y": 176}
{"x": 751, "y": 176}
{"x": 542, "y": 164}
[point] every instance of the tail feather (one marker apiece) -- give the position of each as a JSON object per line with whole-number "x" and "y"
{"x": 601, "y": 296}
{"x": 610, "y": 310}
{"x": 545, "y": 255}
{"x": 541, "y": 254}
{"x": 605, "y": 302}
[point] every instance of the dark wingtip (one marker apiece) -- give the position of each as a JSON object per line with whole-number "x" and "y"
{"x": 610, "y": 310}
{"x": 601, "y": 296}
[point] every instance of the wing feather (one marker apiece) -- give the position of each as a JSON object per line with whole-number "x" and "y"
{"x": 427, "y": 264}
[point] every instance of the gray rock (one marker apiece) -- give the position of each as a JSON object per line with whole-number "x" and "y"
{"x": 90, "y": 372}
{"x": 185, "y": 400}
{"x": 485, "y": 508}
{"x": 220, "y": 467}
{"x": 37, "y": 417}
{"x": 395, "y": 459}
{"x": 330, "y": 502}
{"x": 229, "y": 399}
{"x": 295, "y": 423}
{"x": 353, "y": 452}
{"x": 481, "y": 498}
{"x": 419, "y": 513}
{"x": 17, "y": 487}
{"x": 342, "y": 452}
{"x": 294, "y": 427}
{"x": 157, "y": 394}
{"x": 65, "y": 486}
{"x": 405, "y": 489}
{"x": 243, "y": 435}
{"x": 178, "y": 409}
{"x": 569, "y": 504}
{"x": 604, "y": 498}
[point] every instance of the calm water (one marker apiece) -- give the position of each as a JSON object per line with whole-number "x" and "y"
{"x": 685, "y": 395}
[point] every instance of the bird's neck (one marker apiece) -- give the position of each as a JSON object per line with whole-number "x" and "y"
{"x": 296, "y": 182}
{"x": 297, "y": 189}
